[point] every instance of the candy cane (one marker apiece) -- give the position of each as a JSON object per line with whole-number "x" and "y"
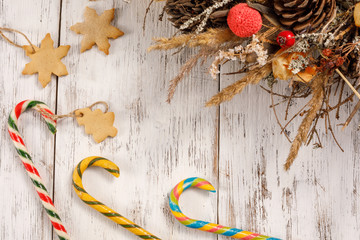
{"x": 201, "y": 225}
{"x": 98, "y": 206}
{"x": 28, "y": 163}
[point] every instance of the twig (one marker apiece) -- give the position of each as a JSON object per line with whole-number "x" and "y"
{"x": 319, "y": 140}
{"x": 340, "y": 96}
{"x": 315, "y": 106}
{"x": 277, "y": 104}
{"x": 146, "y": 13}
{"x": 288, "y": 104}
{"x": 277, "y": 119}
{"x": 315, "y": 122}
{"x": 297, "y": 114}
{"x": 357, "y": 107}
{"x": 344, "y": 32}
{"x": 348, "y": 83}
{"x": 345, "y": 101}
{"x": 333, "y": 134}
{"x": 285, "y": 96}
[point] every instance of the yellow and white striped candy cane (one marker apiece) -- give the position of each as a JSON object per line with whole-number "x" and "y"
{"x": 98, "y": 206}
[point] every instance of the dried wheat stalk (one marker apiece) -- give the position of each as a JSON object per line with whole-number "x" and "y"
{"x": 212, "y": 37}
{"x": 315, "y": 104}
{"x": 186, "y": 69}
{"x": 252, "y": 77}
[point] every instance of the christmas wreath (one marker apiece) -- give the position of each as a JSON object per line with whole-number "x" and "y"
{"x": 312, "y": 44}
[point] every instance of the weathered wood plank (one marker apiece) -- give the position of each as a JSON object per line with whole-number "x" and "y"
{"x": 316, "y": 199}
{"x": 22, "y": 216}
{"x": 157, "y": 145}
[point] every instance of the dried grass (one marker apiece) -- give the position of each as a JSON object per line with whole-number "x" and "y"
{"x": 252, "y": 77}
{"x": 212, "y": 38}
{"x": 186, "y": 69}
{"x": 315, "y": 104}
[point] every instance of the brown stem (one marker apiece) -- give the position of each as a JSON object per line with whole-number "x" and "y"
{"x": 277, "y": 119}
{"x": 357, "y": 107}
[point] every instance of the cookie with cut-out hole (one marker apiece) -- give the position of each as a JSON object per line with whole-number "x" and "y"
{"x": 97, "y": 123}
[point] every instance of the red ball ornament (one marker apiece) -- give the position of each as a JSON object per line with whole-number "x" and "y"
{"x": 286, "y": 39}
{"x": 243, "y": 20}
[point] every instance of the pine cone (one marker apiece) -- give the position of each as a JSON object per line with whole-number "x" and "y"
{"x": 182, "y": 10}
{"x": 304, "y": 15}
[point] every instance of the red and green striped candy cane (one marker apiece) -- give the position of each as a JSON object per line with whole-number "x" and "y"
{"x": 202, "y": 225}
{"x": 28, "y": 163}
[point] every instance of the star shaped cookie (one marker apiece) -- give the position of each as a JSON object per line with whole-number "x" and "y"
{"x": 97, "y": 123}
{"x": 97, "y": 30}
{"x": 46, "y": 60}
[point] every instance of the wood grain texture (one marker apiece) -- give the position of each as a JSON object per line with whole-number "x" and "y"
{"x": 22, "y": 216}
{"x": 237, "y": 147}
{"x": 316, "y": 199}
{"x": 157, "y": 145}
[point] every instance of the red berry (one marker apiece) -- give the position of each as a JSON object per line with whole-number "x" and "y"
{"x": 327, "y": 52}
{"x": 286, "y": 39}
{"x": 243, "y": 20}
{"x": 340, "y": 61}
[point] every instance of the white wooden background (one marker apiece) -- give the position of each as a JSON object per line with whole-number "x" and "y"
{"x": 236, "y": 146}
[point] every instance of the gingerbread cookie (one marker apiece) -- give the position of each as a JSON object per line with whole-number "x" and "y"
{"x": 46, "y": 60}
{"x": 97, "y": 30}
{"x": 97, "y": 123}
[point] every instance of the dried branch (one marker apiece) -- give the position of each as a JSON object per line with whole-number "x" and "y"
{"x": 276, "y": 116}
{"x": 348, "y": 83}
{"x": 340, "y": 97}
{"x": 352, "y": 114}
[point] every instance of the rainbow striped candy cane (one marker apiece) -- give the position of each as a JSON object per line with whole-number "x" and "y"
{"x": 201, "y": 225}
{"x": 98, "y": 206}
{"x": 28, "y": 163}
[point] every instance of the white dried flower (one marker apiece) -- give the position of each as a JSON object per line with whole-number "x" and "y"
{"x": 329, "y": 41}
{"x": 206, "y": 13}
{"x": 239, "y": 53}
{"x": 299, "y": 64}
{"x": 311, "y": 39}
{"x": 356, "y": 40}
{"x": 255, "y": 47}
{"x": 301, "y": 46}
